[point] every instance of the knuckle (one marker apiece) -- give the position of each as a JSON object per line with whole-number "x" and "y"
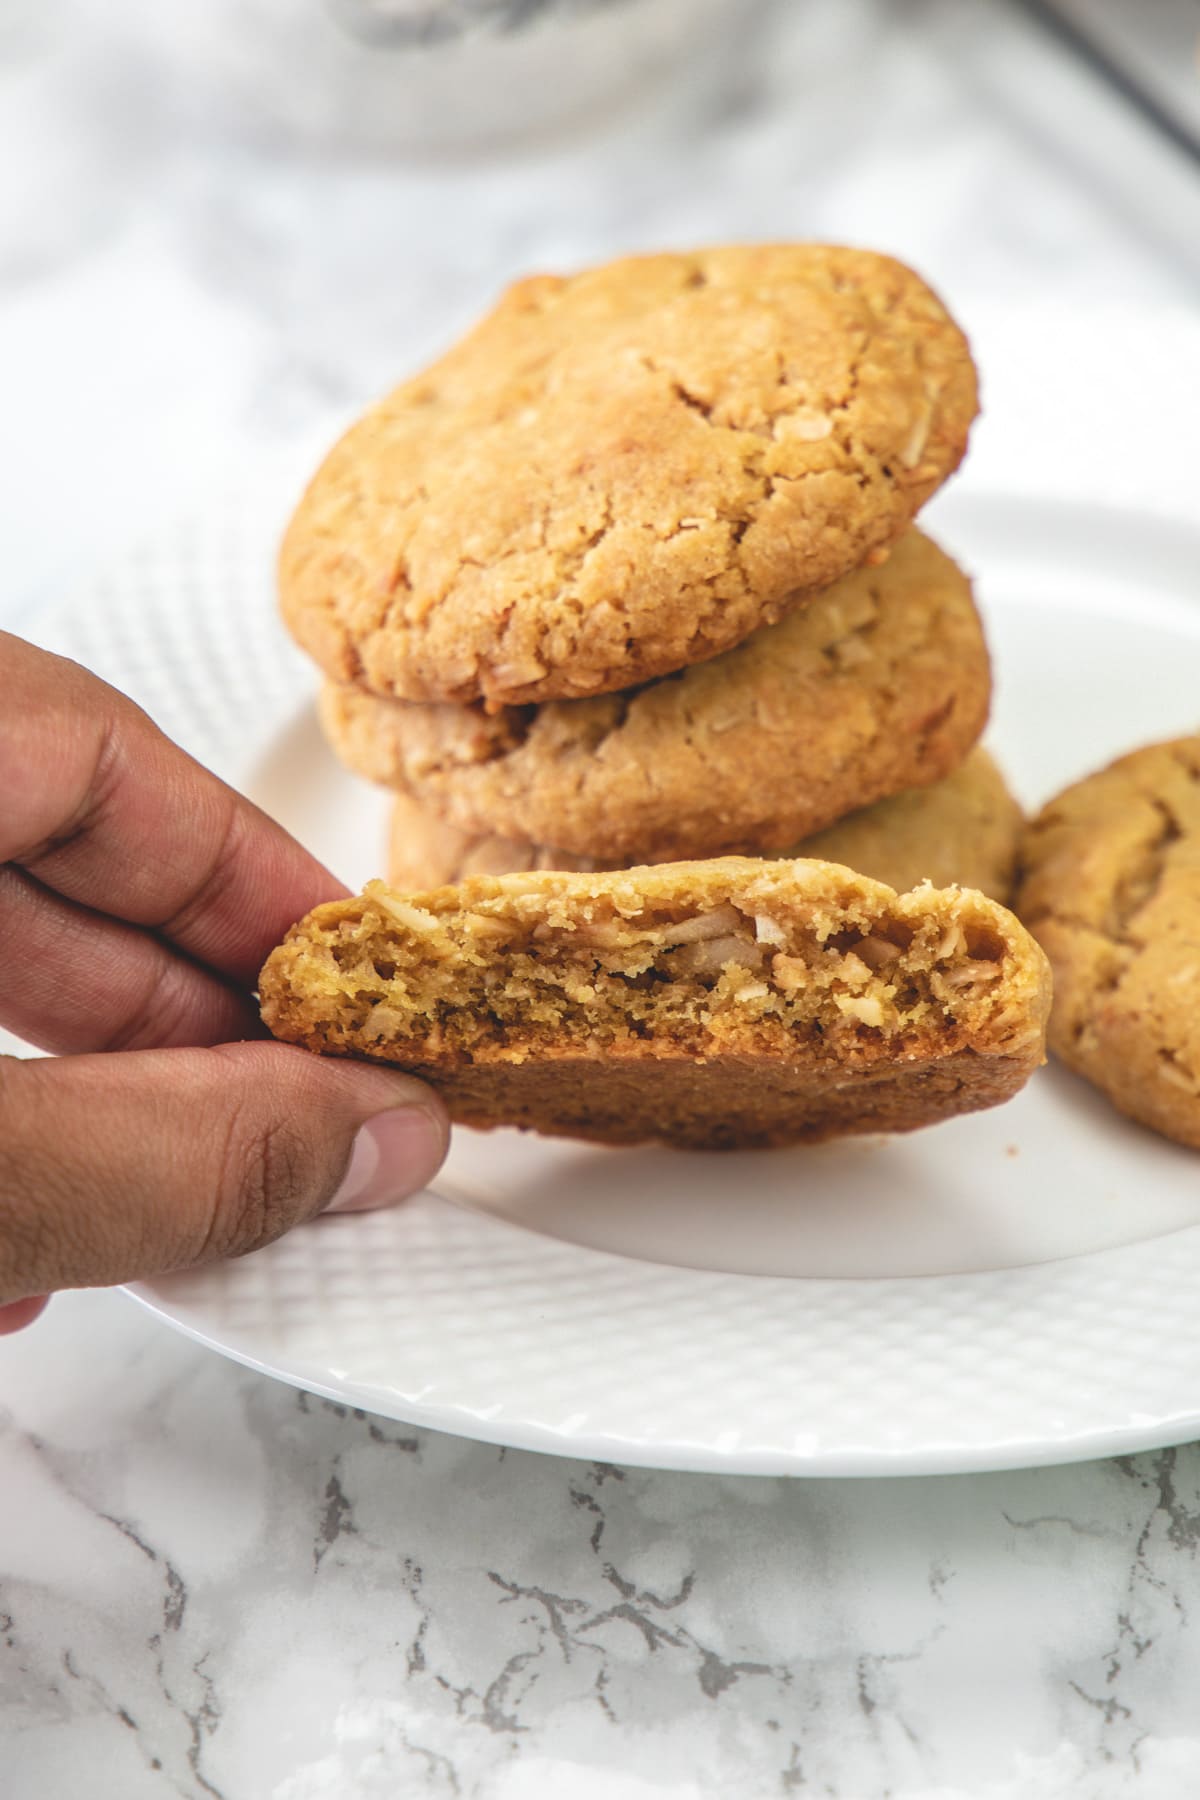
{"x": 266, "y": 1179}
{"x": 152, "y": 1013}
{"x": 29, "y": 1256}
{"x": 228, "y": 848}
{"x": 40, "y": 1233}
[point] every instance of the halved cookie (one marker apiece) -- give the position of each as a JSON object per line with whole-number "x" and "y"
{"x": 627, "y": 470}
{"x": 964, "y": 831}
{"x": 1111, "y": 890}
{"x": 881, "y": 683}
{"x": 710, "y": 1004}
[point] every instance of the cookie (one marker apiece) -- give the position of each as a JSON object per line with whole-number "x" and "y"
{"x": 881, "y": 684}
{"x": 718, "y": 1004}
{"x": 1111, "y": 889}
{"x": 624, "y": 471}
{"x": 964, "y": 829}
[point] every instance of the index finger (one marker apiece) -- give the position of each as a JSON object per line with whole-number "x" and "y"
{"x": 104, "y": 809}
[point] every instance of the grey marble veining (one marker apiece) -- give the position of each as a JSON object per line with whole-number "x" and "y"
{"x": 213, "y": 1586}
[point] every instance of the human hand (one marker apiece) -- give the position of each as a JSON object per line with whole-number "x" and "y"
{"x": 139, "y": 897}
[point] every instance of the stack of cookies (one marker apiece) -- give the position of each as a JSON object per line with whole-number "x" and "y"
{"x": 629, "y": 576}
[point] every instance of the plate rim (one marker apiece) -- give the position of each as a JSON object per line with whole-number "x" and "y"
{"x": 266, "y": 492}
{"x": 873, "y": 1465}
{"x": 686, "y": 1455}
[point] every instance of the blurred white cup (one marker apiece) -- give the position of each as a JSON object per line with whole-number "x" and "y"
{"x": 445, "y": 75}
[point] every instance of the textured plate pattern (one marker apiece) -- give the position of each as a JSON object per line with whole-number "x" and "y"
{"x": 186, "y": 626}
{"x": 451, "y": 1317}
{"x": 439, "y": 1316}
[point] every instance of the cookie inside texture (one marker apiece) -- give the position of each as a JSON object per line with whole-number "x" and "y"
{"x": 725, "y": 1003}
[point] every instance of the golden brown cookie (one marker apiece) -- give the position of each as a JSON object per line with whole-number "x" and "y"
{"x": 963, "y": 830}
{"x": 881, "y": 684}
{"x": 624, "y": 471}
{"x": 709, "y": 1004}
{"x": 1111, "y": 888}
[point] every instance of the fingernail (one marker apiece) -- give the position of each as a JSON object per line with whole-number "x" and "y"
{"x": 16, "y": 1314}
{"x": 395, "y": 1154}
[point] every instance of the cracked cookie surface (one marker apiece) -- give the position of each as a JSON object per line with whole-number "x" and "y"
{"x": 879, "y": 684}
{"x": 720, "y": 1004}
{"x": 625, "y": 471}
{"x": 1111, "y": 889}
{"x": 962, "y": 830}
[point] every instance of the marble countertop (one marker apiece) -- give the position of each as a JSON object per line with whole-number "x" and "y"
{"x": 211, "y": 1585}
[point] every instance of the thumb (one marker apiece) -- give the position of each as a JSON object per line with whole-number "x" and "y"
{"x": 122, "y": 1166}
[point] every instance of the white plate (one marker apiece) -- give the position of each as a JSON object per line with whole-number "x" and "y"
{"x": 1010, "y": 1288}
